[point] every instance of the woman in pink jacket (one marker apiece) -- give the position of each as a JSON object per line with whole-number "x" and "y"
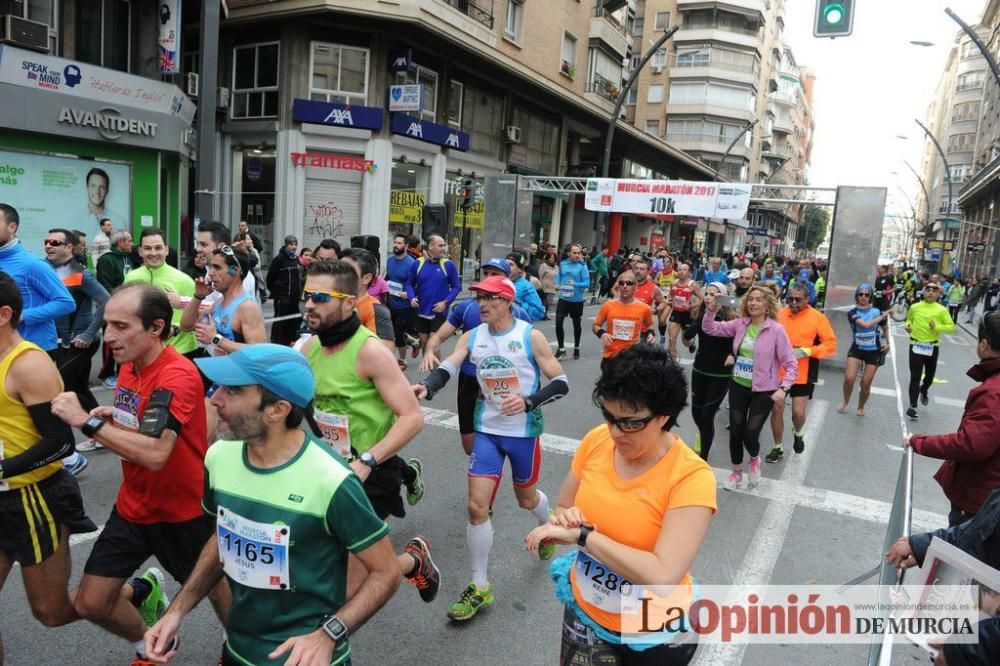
{"x": 761, "y": 351}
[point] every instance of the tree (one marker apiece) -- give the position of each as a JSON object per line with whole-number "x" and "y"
{"x": 817, "y": 220}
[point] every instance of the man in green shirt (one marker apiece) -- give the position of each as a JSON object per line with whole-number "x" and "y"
{"x": 926, "y": 320}
{"x": 288, "y": 510}
{"x": 179, "y": 286}
{"x": 599, "y": 264}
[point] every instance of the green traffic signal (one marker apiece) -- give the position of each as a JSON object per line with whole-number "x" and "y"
{"x": 833, "y": 14}
{"x": 834, "y": 18}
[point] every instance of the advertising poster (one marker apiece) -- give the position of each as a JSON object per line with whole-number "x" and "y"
{"x": 170, "y": 36}
{"x": 51, "y": 192}
{"x": 406, "y": 207}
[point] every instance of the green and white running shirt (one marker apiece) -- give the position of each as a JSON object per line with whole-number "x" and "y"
{"x": 284, "y": 536}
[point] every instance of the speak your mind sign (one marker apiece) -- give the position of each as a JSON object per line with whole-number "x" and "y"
{"x": 667, "y": 197}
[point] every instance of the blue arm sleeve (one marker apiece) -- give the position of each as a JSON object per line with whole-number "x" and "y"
{"x": 58, "y": 301}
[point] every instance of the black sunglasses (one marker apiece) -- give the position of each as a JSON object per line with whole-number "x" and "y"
{"x": 628, "y": 424}
{"x": 55, "y": 243}
{"x": 626, "y": 283}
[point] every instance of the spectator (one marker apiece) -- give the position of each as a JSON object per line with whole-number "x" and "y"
{"x": 599, "y": 264}
{"x": 102, "y": 241}
{"x": 43, "y": 293}
{"x": 196, "y": 266}
{"x": 413, "y": 247}
{"x": 547, "y": 272}
{"x": 112, "y": 268}
{"x": 972, "y": 455}
{"x": 327, "y": 250}
{"x": 284, "y": 282}
{"x": 977, "y": 288}
{"x": 717, "y": 273}
{"x": 245, "y": 229}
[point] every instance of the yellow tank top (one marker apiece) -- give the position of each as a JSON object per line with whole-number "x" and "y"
{"x": 17, "y": 430}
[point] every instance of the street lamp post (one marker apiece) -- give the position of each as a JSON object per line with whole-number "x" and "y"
{"x": 609, "y": 136}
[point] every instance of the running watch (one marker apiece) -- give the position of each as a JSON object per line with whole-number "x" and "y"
{"x": 216, "y": 339}
{"x": 585, "y": 531}
{"x": 335, "y": 628}
{"x": 93, "y": 424}
{"x": 367, "y": 458}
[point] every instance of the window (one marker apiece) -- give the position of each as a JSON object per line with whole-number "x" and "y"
{"x": 638, "y": 26}
{"x": 960, "y": 171}
{"x": 961, "y": 142}
{"x": 515, "y": 19}
{"x": 965, "y": 111}
{"x": 634, "y": 62}
{"x": 699, "y": 129}
{"x": 969, "y": 80}
{"x": 339, "y": 74}
{"x": 428, "y": 78}
{"x": 654, "y": 94}
{"x": 699, "y": 57}
{"x": 659, "y": 58}
{"x": 568, "y": 65}
{"x": 255, "y": 81}
{"x": 483, "y": 120}
{"x": 47, "y": 12}
{"x": 969, "y": 49}
{"x": 715, "y": 94}
{"x": 653, "y": 127}
{"x": 662, "y": 21}
{"x": 456, "y": 93}
{"x": 947, "y": 209}
{"x": 633, "y": 96}
{"x": 103, "y": 32}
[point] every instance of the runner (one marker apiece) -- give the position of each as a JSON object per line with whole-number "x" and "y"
{"x": 638, "y": 504}
{"x": 527, "y": 296}
{"x": 712, "y": 369}
{"x": 40, "y": 502}
{"x": 285, "y": 560}
{"x": 465, "y": 317}
{"x": 233, "y": 319}
{"x": 157, "y": 426}
{"x": 623, "y": 321}
{"x": 684, "y": 295}
{"x": 761, "y": 349}
{"x": 214, "y": 236}
{"x": 647, "y": 292}
{"x": 573, "y": 279}
{"x": 744, "y": 280}
{"x": 770, "y": 277}
{"x": 397, "y": 272}
{"x": 812, "y": 338}
{"x": 885, "y": 288}
{"x": 869, "y": 344}
{"x": 365, "y": 411}
{"x": 432, "y": 287}
{"x": 508, "y": 355}
{"x": 926, "y": 320}
{"x": 374, "y": 316}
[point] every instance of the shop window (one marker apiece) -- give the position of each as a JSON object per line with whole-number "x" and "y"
{"x": 255, "y": 81}
{"x": 410, "y": 185}
{"x": 103, "y": 32}
{"x": 428, "y": 78}
{"x": 339, "y": 74}
{"x": 456, "y": 94}
{"x": 465, "y": 227}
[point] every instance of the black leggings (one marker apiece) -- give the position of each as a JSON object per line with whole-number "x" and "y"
{"x": 575, "y": 312}
{"x": 748, "y": 411}
{"x": 953, "y": 311}
{"x": 74, "y": 369}
{"x": 921, "y": 365}
{"x": 581, "y": 646}
{"x": 707, "y": 393}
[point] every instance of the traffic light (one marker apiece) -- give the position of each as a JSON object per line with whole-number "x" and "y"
{"x": 834, "y": 18}
{"x": 466, "y": 195}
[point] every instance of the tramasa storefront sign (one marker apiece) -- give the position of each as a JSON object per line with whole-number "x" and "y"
{"x": 429, "y": 132}
{"x": 337, "y": 115}
{"x": 342, "y": 162}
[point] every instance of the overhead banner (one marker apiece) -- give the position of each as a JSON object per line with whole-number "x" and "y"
{"x": 667, "y": 197}
{"x": 170, "y": 36}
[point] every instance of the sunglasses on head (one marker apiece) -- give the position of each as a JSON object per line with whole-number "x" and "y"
{"x": 55, "y": 243}
{"x": 628, "y": 424}
{"x": 320, "y": 297}
{"x": 932, "y": 288}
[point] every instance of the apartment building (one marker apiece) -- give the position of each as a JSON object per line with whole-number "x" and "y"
{"x": 726, "y": 67}
{"x": 953, "y": 120}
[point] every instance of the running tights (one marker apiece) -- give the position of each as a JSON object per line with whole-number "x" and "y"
{"x": 921, "y": 365}
{"x": 748, "y": 411}
{"x": 707, "y": 393}
{"x": 575, "y": 312}
{"x": 581, "y": 646}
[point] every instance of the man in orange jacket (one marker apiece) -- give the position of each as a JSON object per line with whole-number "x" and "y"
{"x": 811, "y": 335}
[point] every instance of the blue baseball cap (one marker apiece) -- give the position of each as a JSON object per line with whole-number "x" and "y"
{"x": 281, "y": 370}
{"x": 499, "y": 264}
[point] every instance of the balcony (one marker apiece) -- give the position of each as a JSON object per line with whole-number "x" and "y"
{"x": 721, "y": 34}
{"x": 707, "y": 143}
{"x": 755, "y": 8}
{"x": 604, "y": 27}
{"x": 786, "y": 98}
{"x": 479, "y": 10}
{"x": 602, "y": 91}
{"x": 705, "y": 108}
{"x": 719, "y": 72}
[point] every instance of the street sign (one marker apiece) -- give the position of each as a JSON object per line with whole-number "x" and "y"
{"x": 975, "y": 247}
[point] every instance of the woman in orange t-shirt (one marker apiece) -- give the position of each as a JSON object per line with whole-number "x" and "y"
{"x": 638, "y": 502}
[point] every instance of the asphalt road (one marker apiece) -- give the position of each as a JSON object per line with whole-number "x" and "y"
{"x": 817, "y": 517}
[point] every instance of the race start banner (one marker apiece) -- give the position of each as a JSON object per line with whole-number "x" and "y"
{"x": 667, "y": 197}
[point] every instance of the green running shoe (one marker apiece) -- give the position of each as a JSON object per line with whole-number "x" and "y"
{"x": 155, "y": 604}
{"x": 472, "y": 599}
{"x": 415, "y": 490}
{"x": 697, "y": 444}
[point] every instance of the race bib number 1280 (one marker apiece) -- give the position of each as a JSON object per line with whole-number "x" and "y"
{"x": 253, "y": 554}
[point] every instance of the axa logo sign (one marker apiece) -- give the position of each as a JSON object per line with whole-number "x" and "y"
{"x": 108, "y": 121}
{"x": 415, "y": 130}
{"x": 340, "y": 117}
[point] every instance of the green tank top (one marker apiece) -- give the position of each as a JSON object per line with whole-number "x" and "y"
{"x": 348, "y": 409}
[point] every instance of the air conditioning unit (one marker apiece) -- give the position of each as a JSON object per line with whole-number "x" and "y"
{"x": 24, "y": 33}
{"x": 657, "y": 69}
{"x": 222, "y": 101}
{"x": 513, "y": 134}
{"x": 191, "y": 84}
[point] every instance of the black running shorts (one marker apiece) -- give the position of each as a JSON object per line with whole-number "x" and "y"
{"x": 32, "y": 517}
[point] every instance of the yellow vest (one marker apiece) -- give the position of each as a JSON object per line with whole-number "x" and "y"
{"x": 17, "y": 431}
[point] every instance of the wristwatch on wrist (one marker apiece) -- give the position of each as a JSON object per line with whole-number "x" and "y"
{"x": 529, "y": 405}
{"x": 216, "y": 339}
{"x": 585, "y": 531}
{"x": 335, "y": 628}
{"x": 92, "y": 425}
{"x": 367, "y": 458}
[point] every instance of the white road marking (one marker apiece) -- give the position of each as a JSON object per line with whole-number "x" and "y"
{"x": 876, "y": 390}
{"x": 950, "y": 402}
{"x": 959, "y": 340}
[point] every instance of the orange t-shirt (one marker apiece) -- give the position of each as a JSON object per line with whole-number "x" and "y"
{"x": 365, "y": 307}
{"x": 631, "y": 512}
{"x": 624, "y": 323}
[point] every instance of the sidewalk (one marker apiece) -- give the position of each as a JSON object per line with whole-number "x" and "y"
{"x": 971, "y": 329}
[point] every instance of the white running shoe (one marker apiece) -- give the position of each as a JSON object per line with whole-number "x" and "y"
{"x": 88, "y": 445}
{"x": 735, "y": 480}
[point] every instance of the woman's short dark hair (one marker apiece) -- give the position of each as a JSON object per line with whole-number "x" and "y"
{"x": 644, "y": 376}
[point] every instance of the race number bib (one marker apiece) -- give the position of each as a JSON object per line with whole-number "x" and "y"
{"x": 253, "y": 554}
{"x": 335, "y": 431}
{"x": 567, "y": 291}
{"x": 681, "y": 303}
{"x": 600, "y": 586}
{"x": 125, "y": 409}
{"x": 499, "y": 383}
{"x": 865, "y": 338}
{"x": 396, "y": 289}
{"x": 923, "y": 348}
{"x": 744, "y": 368}
{"x": 623, "y": 329}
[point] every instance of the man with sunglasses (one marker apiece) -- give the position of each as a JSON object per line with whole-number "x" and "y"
{"x": 510, "y": 358}
{"x": 812, "y": 338}
{"x": 365, "y": 409}
{"x": 926, "y": 320}
{"x": 623, "y": 321}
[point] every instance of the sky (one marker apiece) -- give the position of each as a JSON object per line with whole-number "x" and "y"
{"x": 872, "y": 84}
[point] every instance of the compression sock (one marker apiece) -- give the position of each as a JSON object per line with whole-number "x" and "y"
{"x": 480, "y": 540}
{"x": 541, "y": 511}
